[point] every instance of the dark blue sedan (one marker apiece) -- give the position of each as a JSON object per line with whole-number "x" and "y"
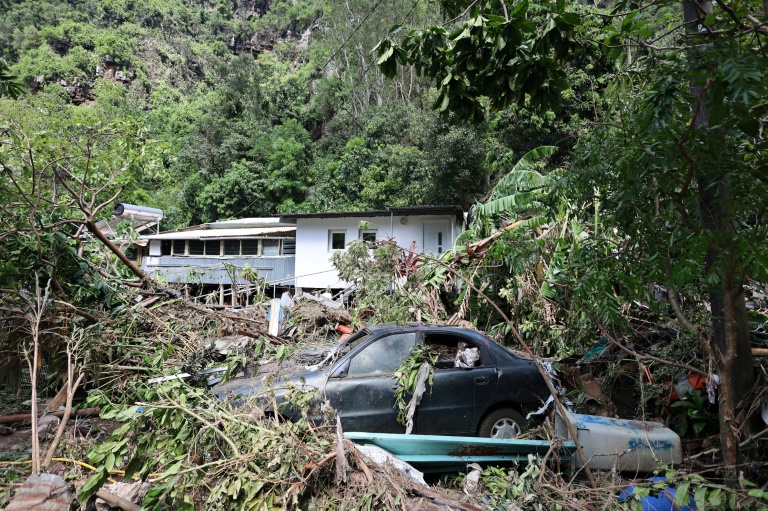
{"x": 486, "y": 399}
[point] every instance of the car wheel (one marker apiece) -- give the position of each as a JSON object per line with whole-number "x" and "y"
{"x": 502, "y": 423}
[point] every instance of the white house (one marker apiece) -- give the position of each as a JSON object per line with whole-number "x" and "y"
{"x": 318, "y": 235}
{"x": 211, "y": 257}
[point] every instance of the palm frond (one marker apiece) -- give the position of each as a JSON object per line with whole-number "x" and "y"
{"x": 9, "y": 83}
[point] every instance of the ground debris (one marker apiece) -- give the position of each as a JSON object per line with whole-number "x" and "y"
{"x": 132, "y": 492}
{"x": 42, "y": 492}
{"x": 316, "y": 322}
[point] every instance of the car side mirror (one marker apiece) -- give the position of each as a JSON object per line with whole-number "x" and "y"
{"x": 341, "y": 370}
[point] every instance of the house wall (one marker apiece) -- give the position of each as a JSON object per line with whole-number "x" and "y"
{"x": 278, "y": 270}
{"x": 313, "y": 253}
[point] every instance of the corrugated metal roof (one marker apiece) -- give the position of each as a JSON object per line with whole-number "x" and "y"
{"x": 250, "y": 222}
{"x": 208, "y": 234}
{"x": 400, "y": 211}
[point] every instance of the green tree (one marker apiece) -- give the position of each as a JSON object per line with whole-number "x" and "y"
{"x": 684, "y": 137}
{"x": 238, "y": 193}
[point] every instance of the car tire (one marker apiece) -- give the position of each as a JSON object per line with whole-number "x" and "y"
{"x": 502, "y": 423}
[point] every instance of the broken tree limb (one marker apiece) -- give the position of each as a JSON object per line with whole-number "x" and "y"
{"x": 440, "y": 500}
{"x": 59, "y": 399}
{"x": 479, "y": 245}
{"x": 124, "y": 504}
{"x": 79, "y": 312}
{"x": 91, "y": 224}
{"x": 259, "y": 335}
{"x": 635, "y": 354}
{"x": 10, "y": 419}
{"x": 540, "y": 368}
{"x": 362, "y": 465}
{"x": 71, "y": 389}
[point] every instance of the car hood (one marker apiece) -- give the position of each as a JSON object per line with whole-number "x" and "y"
{"x": 272, "y": 378}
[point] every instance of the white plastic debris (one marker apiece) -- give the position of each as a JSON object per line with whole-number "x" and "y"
{"x": 376, "y": 454}
{"x": 286, "y": 300}
{"x": 542, "y": 409}
{"x": 764, "y": 411}
{"x": 467, "y": 357}
{"x": 471, "y": 483}
{"x": 712, "y": 382}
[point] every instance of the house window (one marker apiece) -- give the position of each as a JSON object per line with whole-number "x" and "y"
{"x": 196, "y": 247}
{"x": 337, "y": 240}
{"x": 368, "y": 236}
{"x": 231, "y": 247}
{"x": 212, "y": 247}
{"x": 165, "y": 247}
{"x": 250, "y": 247}
{"x": 270, "y": 247}
{"x": 179, "y": 247}
{"x": 131, "y": 253}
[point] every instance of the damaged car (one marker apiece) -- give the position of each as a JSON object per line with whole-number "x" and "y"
{"x": 482, "y": 390}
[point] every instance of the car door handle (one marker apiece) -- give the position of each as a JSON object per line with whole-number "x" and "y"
{"x": 482, "y": 380}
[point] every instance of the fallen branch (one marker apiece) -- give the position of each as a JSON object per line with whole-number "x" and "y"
{"x": 63, "y": 424}
{"x": 516, "y": 334}
{"x": 259, "y": 335}
{"x": 362, "y": 465}
{"x": 124, "y": 504}
{"x": 440, "y": 500}
{"x": 86, "y": 412}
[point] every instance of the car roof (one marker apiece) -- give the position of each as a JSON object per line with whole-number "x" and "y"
{"x": 411, "y": 327}
{"x": 421, "y": 326}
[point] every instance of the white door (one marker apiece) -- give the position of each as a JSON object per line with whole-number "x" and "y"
{"x": 437, "y": 236}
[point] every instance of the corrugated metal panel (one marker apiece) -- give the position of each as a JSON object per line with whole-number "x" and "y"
{"x": 278, "y": 270}
{"x": 205, "y": 234}
{"x": 250, "y": 222}
{"x": 406, "y": 210}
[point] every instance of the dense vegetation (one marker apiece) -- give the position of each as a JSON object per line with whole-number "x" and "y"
{"x": 615, "y": 164}
{"x": 252, "y": 115}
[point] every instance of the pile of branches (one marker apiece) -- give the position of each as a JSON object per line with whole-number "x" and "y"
{"x": 313, "y": 321}
{"x": 198, "y": 453}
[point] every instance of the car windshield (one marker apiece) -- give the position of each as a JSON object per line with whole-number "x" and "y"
{"x": 353, "y": 342}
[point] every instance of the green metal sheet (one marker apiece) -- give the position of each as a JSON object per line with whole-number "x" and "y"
{"x": 435, "y": 453}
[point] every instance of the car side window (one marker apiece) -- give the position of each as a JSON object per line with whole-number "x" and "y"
{"x": 384, "y": 356}
{"x": 453, "y": 351}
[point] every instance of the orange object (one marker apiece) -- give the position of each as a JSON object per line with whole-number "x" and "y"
{"x": 648, "y": 374}
{"x": 698, "y": 382}
{"x": 343, "y": 329}
{"x": 344, "y": 337}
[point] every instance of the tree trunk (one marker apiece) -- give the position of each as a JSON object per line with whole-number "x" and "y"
{"x": 91, "y": 224}
{"x": 730, "y": 327}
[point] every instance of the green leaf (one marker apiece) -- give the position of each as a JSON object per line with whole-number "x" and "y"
{"x": 681, "y": 495}
{"x": 92, "y": 485}
{"x": 444, "y": 102}
{"x": 699, "y": 497}
{"x": 716, "y": 497}
{"x": 173, "y": 469}
{"x": 133, "y": 466}
{"x": 384, "y": 56}
{"x": 109, "y": 462}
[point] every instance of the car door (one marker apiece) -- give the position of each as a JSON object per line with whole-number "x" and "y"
{"x": 455, "y": 402}
{"x": 362, "y": 389}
